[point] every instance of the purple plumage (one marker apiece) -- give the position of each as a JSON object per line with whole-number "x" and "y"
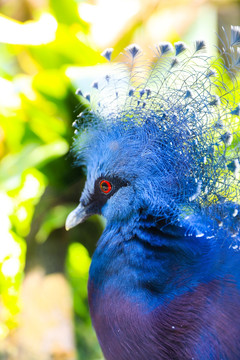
{"x": 178, "y": 299}
{"x": 200, "y": 324}
{"x": 162, "y": 154}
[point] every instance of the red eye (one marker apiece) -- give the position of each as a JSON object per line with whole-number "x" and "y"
{"x": 105, "y": 186}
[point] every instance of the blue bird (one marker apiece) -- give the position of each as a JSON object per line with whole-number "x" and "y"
{"x": 161, "y": 146}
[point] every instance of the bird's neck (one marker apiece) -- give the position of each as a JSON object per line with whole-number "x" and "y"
{"x": 142, "y": 259}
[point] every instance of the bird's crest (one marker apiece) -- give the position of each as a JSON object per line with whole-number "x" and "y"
{"x": 187, "y": 103}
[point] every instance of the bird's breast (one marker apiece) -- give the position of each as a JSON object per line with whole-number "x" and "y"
{"x": 121, "y": 325}
{"x": 200, "y": 324}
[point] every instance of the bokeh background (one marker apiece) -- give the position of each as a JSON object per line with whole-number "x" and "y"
{"x": 48, "y": 49}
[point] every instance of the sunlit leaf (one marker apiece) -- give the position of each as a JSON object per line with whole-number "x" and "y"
{"x": 52, "y": 83}
{"x": 79, "y": 260}
{"x": 12, "y": 166}
{"x": 55, "y": 55}
{"x": 37, "y": 32}
{"x": 65, "y": 11}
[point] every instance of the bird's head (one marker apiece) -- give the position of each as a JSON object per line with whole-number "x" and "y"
{"x": 127, "y": 173}
{"x": 159, "y": 142}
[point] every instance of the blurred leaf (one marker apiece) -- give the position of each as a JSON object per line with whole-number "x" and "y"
{"x": 12, "y": 166}
{"x": 54, "y": 55}
{"x": 66, "y": 12}
{"x": 9, "y": 284}
{"x": 54, "y": 219}
{"x": 78, "y": 263}
{"x": 52, "y": 83}
{"x": 79, "y": 260}
{"x": 26, "y": 196}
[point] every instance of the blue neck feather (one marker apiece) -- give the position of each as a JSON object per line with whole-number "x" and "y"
{"x": 141, "y": 259}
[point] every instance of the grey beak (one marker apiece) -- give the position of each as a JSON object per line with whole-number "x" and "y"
{"x": 76, "y": 217}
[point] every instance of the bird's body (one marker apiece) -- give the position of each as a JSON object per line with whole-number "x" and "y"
{"x": 174, "y": 299}
{"x": 163, "y": 169}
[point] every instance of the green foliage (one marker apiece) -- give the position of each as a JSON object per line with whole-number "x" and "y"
{"x": 37, "y": 181}
{"x": 65, "y": 12}
{"x": 78, "y": 262}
